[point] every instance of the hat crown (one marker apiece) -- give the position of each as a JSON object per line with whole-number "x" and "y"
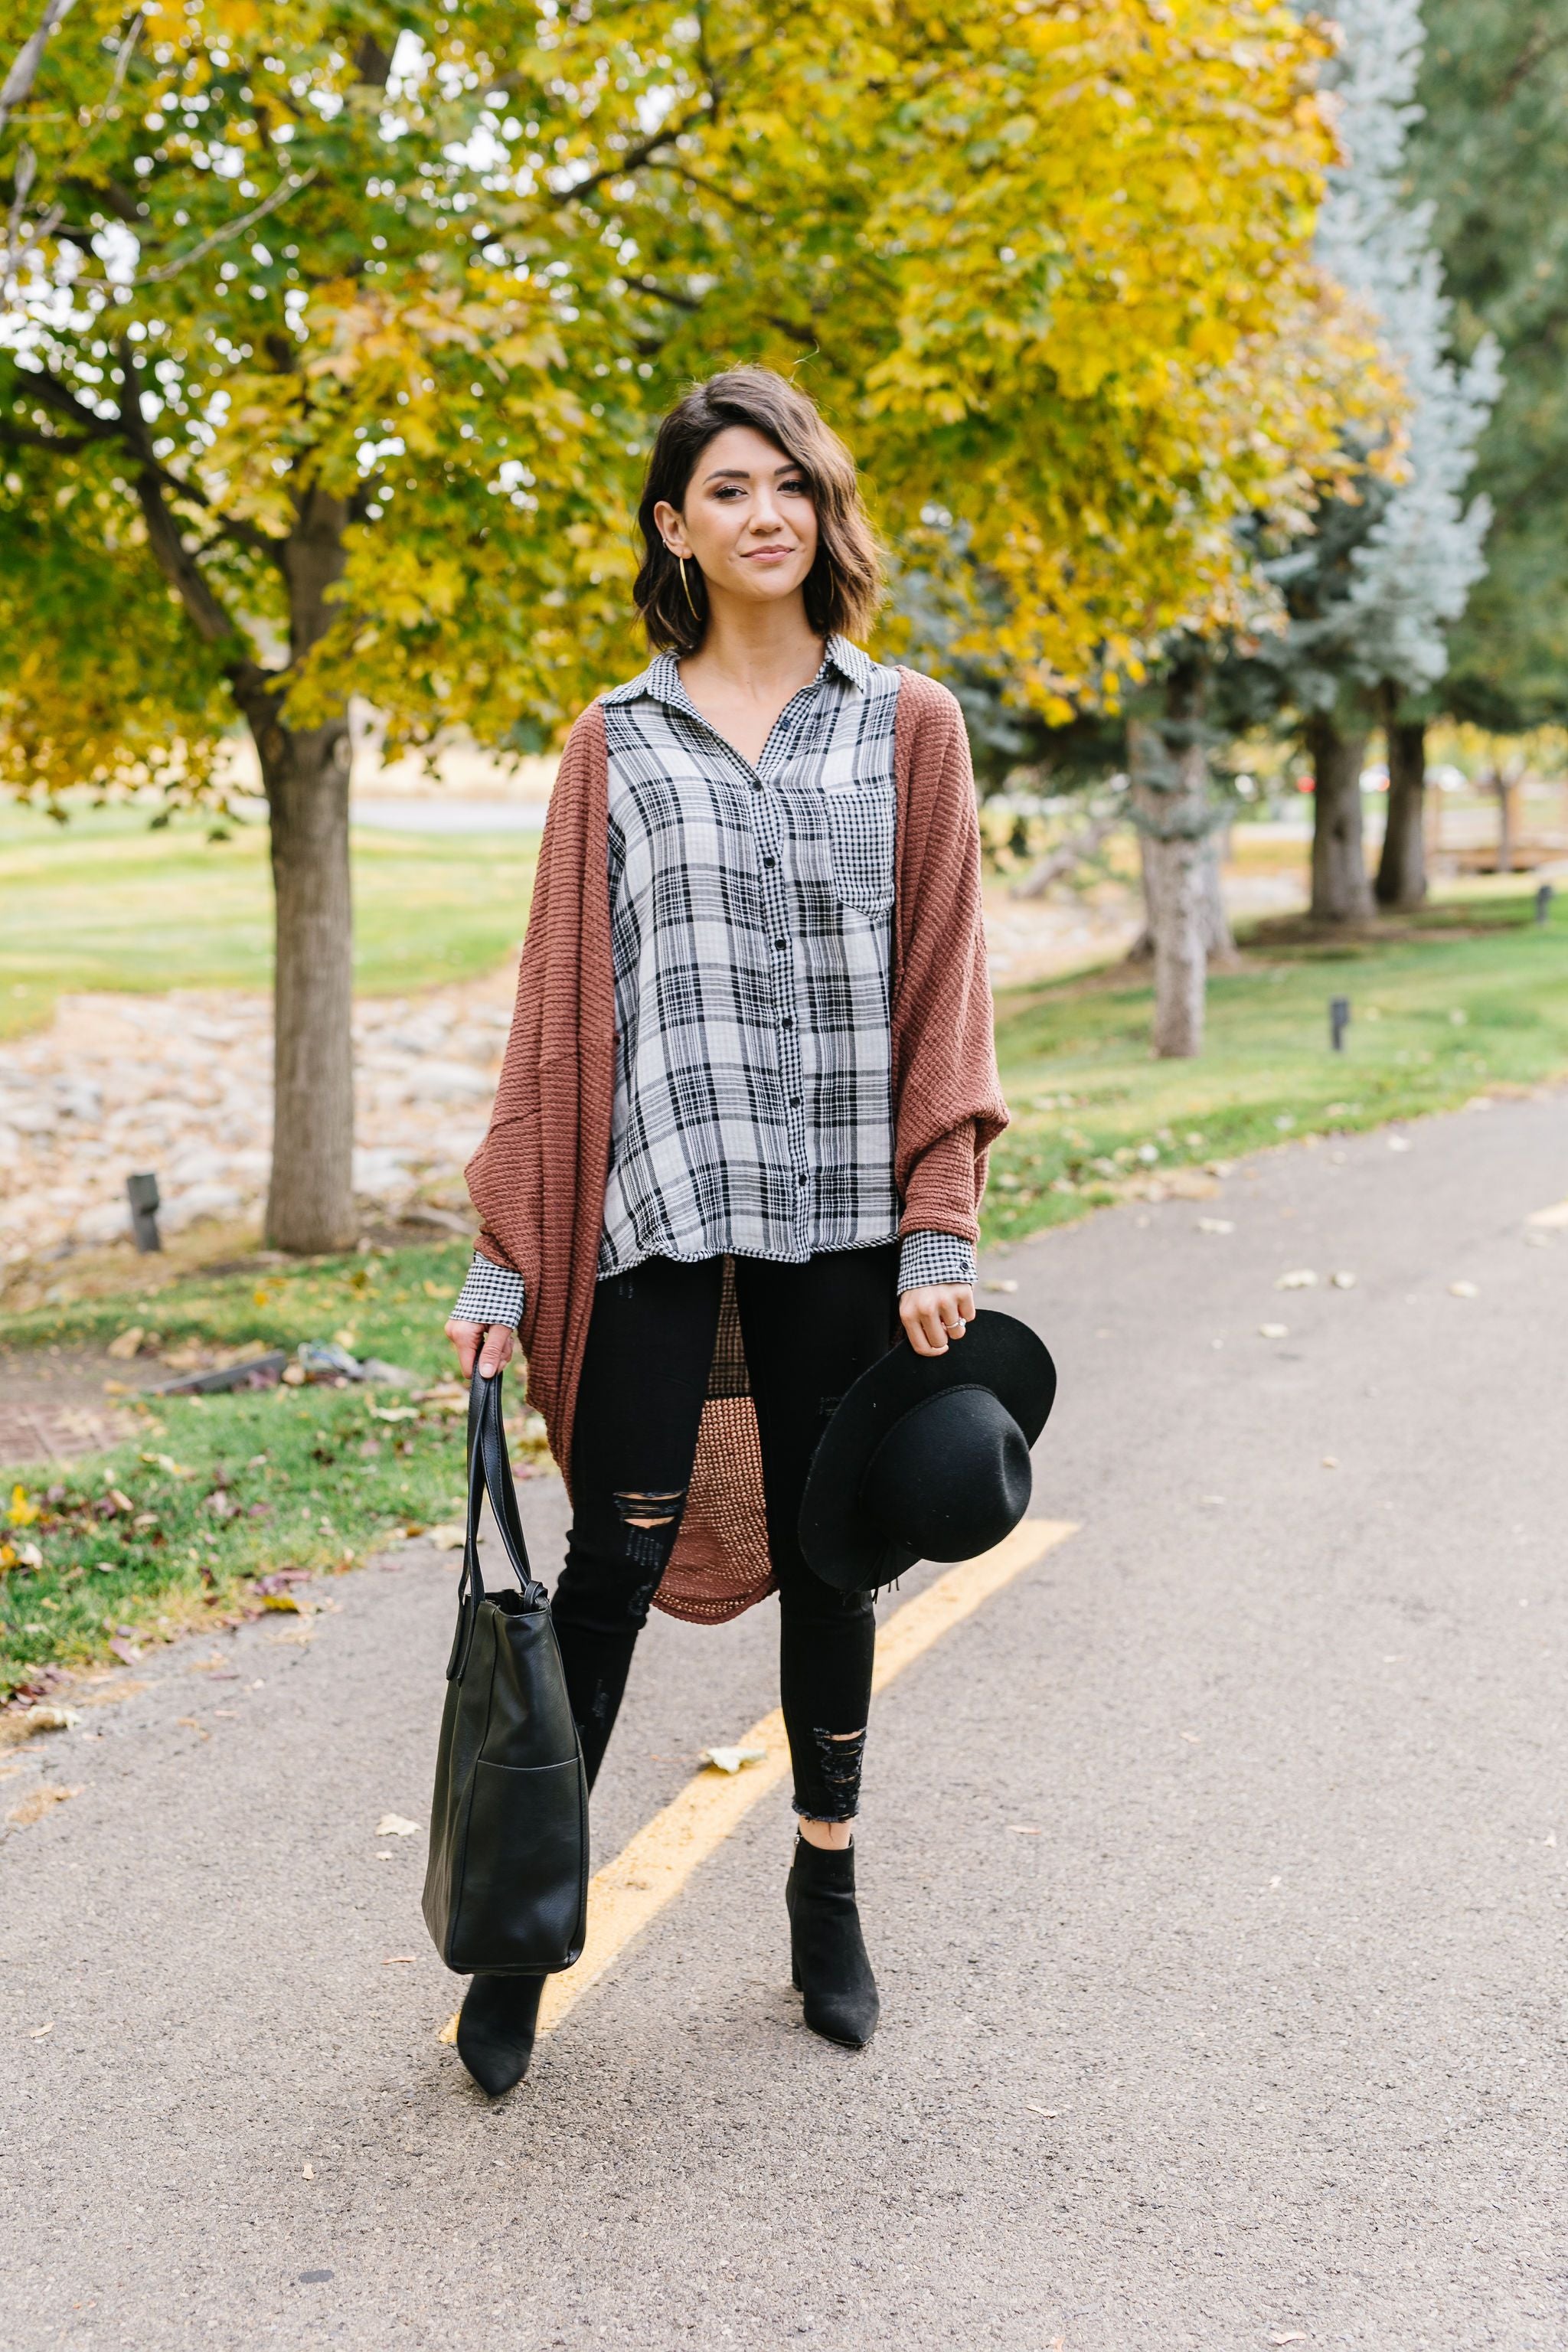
{"x": 952, "y": 1476}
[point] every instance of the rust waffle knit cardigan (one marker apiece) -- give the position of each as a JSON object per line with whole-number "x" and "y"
{"x": 538, "y": 1180}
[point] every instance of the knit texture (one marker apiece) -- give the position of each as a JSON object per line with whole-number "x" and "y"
{"x": 538, "y": 1180}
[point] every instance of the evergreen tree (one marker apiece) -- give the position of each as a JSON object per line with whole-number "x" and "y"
{"x": 1371, "y": 595}
{"x": 1490, "y": 155}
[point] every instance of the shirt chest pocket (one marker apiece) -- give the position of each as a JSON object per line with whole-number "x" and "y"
{"x": 860, "y": 823}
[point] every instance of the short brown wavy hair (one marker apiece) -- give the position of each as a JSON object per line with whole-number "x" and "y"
{"x": 844, "y": 586}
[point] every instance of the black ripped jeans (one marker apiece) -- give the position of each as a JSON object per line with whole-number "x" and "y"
{"x": 810, "y": 1331}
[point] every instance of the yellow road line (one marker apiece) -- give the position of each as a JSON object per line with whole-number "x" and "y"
{"x": 651, "y": 1870}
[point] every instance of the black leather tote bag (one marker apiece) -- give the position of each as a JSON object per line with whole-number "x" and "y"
{"x": 506, "y": 1886}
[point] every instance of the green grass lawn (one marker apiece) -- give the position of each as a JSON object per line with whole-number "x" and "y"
{"x": 105, "y": 902}
{"x": 212, "y": 1494}
{"x": 1472, "y": 995}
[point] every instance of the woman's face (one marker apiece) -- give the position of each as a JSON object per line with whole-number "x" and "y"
{"x": 748, "y": 519}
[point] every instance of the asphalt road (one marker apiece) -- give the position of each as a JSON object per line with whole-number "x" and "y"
{"x": 1213, "y": 1873}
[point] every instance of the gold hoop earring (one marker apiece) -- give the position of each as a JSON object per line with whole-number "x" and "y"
{"x": 687, "y": 586}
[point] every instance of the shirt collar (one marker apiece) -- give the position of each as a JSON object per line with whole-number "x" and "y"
{"x": 661, "y": 682}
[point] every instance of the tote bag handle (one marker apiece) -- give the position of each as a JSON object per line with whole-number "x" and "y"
{"x": 489, "y": 1472}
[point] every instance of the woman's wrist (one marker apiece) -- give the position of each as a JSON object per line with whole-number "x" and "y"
{"x": 928, "y": 1260}
{"x": 491, "y": 1294}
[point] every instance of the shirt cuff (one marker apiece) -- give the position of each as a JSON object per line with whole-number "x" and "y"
{"x": 492, "y": 1294}
{"x": 936, "y": 1259}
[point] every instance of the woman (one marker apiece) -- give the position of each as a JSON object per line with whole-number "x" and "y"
{"x": 744, "y": 1109}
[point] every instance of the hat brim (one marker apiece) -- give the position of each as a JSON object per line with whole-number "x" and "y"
{"x": 843, "y": 1543}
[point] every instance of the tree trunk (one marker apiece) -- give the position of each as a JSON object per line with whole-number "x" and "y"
{"x": 309, "y": 1202}
{"x": 1402, "y": 869}
{"x": 1169, "y": 769}
{"x": 1341, "y": 891}
{"x": 1219, "y": 941}
{"x": 1506, "y": 788}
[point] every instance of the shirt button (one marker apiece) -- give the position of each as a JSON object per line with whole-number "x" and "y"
{"x": 803, "y": 1180}
{"x": 794, "y": 1102}
{"x": 780, "y": 945}
{"x": 770, "y": 861}
{"x": 758, "y": 785}
{"x": 788, "y": 1021}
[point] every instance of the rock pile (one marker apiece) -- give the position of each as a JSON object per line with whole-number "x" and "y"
{"x": 181, "y": 1085}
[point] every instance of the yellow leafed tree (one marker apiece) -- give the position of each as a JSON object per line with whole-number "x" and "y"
{"x": 335, "y": 339}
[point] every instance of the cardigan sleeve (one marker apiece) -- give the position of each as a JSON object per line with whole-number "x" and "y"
{"x": 505, "y": 1175}
{"x": 948, "y": 1097}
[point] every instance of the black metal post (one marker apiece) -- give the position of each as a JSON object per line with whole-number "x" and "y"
{"x": 141, "y": 1192}
{"x": 1544, "y": 903}
{"x": 1339, "y": 1021}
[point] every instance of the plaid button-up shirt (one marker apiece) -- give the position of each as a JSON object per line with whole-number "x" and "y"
{"x": 751, "y": 928}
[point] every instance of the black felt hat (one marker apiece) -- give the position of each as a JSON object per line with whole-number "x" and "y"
{"x": 927, "y": 1457}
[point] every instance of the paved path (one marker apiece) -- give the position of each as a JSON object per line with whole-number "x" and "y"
{"x": 1215, "y": 1872}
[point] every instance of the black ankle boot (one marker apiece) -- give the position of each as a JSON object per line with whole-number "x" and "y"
{"x": 495, "y": 2029}
{"x": 827, "y": 1951}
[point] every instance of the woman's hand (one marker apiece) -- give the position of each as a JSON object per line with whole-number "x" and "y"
{"x": 492, "y": 1343}
{"x": 936, "y": 1314}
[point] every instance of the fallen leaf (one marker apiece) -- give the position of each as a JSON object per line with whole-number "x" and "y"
{"x": 26, "y": 1555}
{"x": 42, "y": 1800}
{"x": 1556, "y": 1216}
{"x": 1023, "y": 1829}
{"x": 1343, "y": 1281}
{"x": 167, "y": 1462}
{"x": 47, "y": 1719}
{"x": 22, "y": 1513}
{"x": 393, "y": 1412}
{"x": 1006, "y": 1287}
{"x": 38, "y": 2031}
{"x": 400, "y": 1959}
{"x": 1189, "y": 1184}
{"x": 1273, "y": 1332}
{"x": 393, "y": 1826}
{"x": 1463, "y": 1290}
{"x": 345, "y": 1339}
{"x": 1301, "y": 1279}
{"x": 1049, "y": 2114}
{"x": 449, "y": 2034}
{"x": 286, "y": 1601}
{"x": 1398, "y": 1142}
{"x": 1215, "y": 1225}
{"x": 125, "y": 1650}
{"x": 1330, "y": 1461}
{"x": 1294, "y": 2337}
{"x": 309, "y": 2172}
{"x": 193, "y": 1723}
{"x": 730, "y": 1759}
{"x": 1193, "y": 1737}
{"x": 125, "y": 1346}
{"x": 449, "y": 1536}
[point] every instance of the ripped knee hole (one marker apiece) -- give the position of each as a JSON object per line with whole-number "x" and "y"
{"x": 655, "y": 1507}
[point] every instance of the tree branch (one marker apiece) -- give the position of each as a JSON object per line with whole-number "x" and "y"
{"x": 805, "y": 337}
{"x": 280, "y": 195}
{"x": 1539, "y": 47}
{"x": 134, "y": 435}
{"x": 22, "y": 436}
{"x": 635, "y": 157}
{"x": 19, "y": 81}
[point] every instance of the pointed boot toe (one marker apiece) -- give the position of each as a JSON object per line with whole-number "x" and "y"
{"x": 496, "y": 2028}
{"x": 828, "y": 1961}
